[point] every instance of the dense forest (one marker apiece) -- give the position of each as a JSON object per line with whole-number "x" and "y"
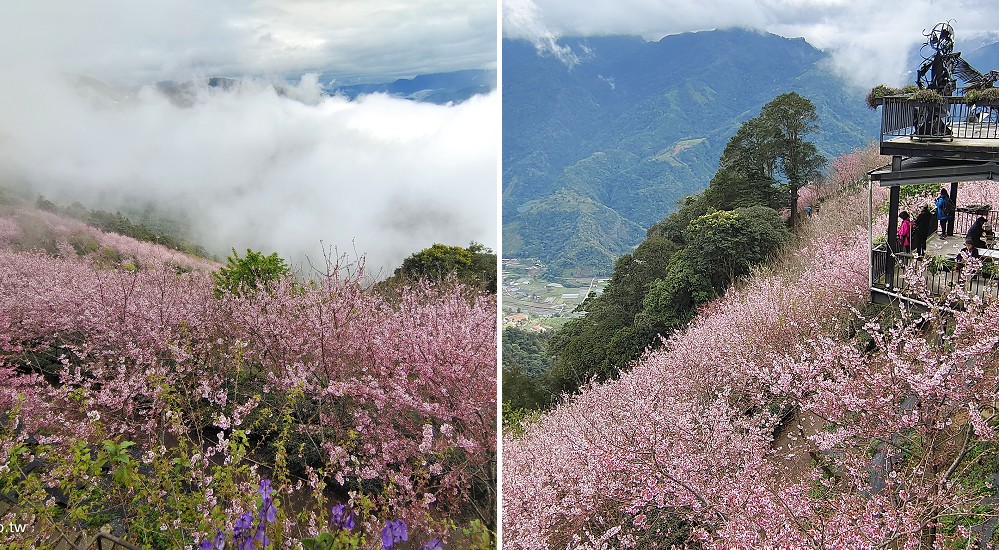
{"x": 713, "y": 239}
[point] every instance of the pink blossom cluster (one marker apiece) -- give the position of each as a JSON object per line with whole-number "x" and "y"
{"x": 9, "y": 229}
{"x": 846, "y": 171}
{"x": 66, "y": 231}
{"x": 769, "y": 423}
{"x": 670, "y": 433}
{"x": 850, "y": 169}
{"x": 396, "y": 387}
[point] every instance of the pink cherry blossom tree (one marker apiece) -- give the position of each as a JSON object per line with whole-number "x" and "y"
{"x": 785, "y": 415}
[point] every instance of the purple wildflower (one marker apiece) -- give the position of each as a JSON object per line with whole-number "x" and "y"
{"x": 433, "y": 544}
{"x": 265, "y": 488}
{"x": 243, "y": 524}
{"x": 241, "y": 532}
{"x": 268, "y": 511}
{"x": 393, "y": 532}
{"x": 260, "y": 536}
{"x": 343, "y": 517}
{"x": 218, "y": 543}
{"x": 399, "y": 529}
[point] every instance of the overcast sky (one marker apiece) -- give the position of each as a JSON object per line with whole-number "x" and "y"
{"x": 382, "y": 176}
{"x": 125, "y": 42}
{"x": 870, "y": 41}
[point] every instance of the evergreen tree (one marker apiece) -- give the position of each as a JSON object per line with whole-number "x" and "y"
{"x": 791, "y": 117}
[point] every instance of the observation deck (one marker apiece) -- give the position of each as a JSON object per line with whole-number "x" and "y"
{"x": 953, "y": 128}
{"x": 943, "y": 143}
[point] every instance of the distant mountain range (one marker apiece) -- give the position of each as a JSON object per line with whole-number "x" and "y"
{"x": 984, "y": 58}
{"x": 595, "y": 153}
{"x": 433, "y": 88}
{"x": 439, "y": 88}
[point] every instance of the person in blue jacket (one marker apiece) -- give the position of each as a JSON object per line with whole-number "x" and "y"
{"x": 945, "y": 211}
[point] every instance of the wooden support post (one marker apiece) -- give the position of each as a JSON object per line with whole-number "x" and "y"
{"x": 954, "y": 200}
{"x": 890, "y": 236}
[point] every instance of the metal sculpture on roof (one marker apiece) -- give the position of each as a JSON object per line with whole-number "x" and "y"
{"x": 946, "y": 66}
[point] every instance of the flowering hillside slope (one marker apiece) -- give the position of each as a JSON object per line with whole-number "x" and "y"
{"x": 32, "y": 229}
{"x": 140, "y": 396}
{"x": 782, "y": 416}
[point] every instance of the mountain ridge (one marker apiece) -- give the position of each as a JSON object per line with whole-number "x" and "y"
{"x": 635, "y": 126}
{"x": 438, "y": 88}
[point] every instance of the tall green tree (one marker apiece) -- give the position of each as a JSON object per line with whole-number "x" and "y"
{"x": 752, "y": 151}
{"x": 791, "y": 117}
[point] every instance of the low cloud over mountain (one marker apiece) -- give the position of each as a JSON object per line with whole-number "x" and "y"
{"x": 256, "y": 165}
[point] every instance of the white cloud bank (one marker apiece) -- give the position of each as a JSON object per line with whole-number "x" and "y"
{"x": 870, "y": 41}
{"x": 383, "y": 176}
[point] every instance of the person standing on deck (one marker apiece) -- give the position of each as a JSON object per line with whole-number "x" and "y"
{"x": 921, "y": 230}
{"x": 905, "y": 231}
{"x": 945, "y": 210}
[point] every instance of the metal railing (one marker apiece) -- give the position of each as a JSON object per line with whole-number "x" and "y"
{"x": 938, "y": 281}
{"x": 964, "y": 220}
{"x": 946, "y": 120}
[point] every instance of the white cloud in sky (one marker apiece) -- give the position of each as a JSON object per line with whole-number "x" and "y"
{"x": 380, "y": 175}
{"x": 133, "y": 42}
{"x": 870, "y": 41}
{"x": 253, "y": 168}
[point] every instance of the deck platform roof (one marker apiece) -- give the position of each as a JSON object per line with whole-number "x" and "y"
{"x": 919, "y": 170}
{"x": 961, "y": 148}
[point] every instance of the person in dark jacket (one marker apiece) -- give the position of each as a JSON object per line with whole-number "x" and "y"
{"x": 975, "y": 234}
{"x": 921, "y": 230}
{"x": 967, "y": 253}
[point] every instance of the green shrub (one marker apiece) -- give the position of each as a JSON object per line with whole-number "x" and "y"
{"x": 247, "y": 275}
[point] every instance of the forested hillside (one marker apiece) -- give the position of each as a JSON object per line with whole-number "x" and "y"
{"x": 787, "y": 413}
{"x": 692, "y": 256}
{"x": 597, "y": 153}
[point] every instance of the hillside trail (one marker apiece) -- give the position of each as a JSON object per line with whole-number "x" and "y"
{"x": 794, "y": 451}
